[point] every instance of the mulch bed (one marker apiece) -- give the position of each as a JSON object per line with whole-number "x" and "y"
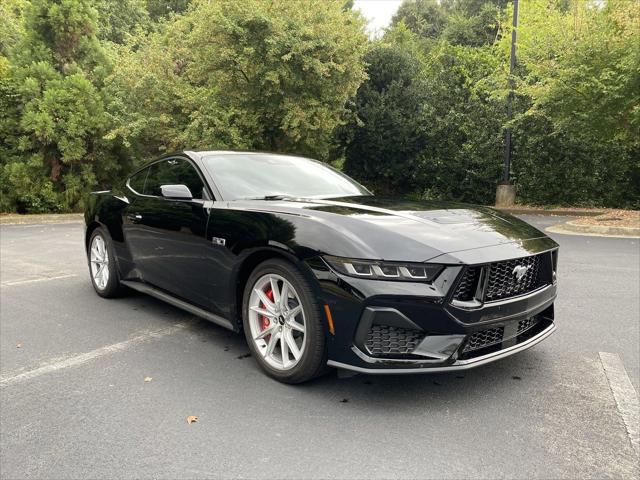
{"x": 612, "y": 218}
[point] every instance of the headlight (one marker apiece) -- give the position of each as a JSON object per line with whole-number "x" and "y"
{"x": 379, "y": 270}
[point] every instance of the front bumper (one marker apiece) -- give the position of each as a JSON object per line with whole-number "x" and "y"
{"x": 456, "y": 365}
{"x": 447, "y": 330}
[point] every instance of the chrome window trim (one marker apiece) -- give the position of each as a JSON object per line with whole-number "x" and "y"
{"x": 175, "y": 157}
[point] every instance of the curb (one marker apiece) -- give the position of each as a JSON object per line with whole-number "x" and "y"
{"x": 44, "y": 219}
{"x": 603, "y": 229}
{"x": 572, "y": 228}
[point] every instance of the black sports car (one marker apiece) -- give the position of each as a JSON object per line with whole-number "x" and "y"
{"x": 317, "y": 271}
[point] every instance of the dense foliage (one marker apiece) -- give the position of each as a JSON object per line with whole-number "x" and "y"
{"x": 576, "y": 131}
{"x": 252, "y": 74}
{"x": 90, "y": 88}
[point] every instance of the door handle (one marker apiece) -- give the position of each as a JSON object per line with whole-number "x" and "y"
{"x": 135, "y": 218}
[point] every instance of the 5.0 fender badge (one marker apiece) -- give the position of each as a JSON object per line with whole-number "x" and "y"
{"x": 219, "y": 241}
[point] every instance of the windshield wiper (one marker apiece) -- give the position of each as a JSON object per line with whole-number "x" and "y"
{"x": 279, "y": 196}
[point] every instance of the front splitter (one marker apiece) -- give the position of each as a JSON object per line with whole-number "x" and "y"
{"x": 458, "y": 365}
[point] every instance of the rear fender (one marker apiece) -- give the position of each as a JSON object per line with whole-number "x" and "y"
{"x": 104, "y": 209}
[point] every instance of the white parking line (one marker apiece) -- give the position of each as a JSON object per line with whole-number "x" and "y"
{"x": 625, "y": 395}
{"x": 92, "y": 355}
{"x": 35, "y": 280}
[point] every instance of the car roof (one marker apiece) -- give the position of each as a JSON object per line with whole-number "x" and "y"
{"x": 227, "y": 152}
{"x": 200, "y": 154}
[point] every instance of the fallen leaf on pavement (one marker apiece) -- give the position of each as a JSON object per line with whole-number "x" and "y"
{"x": 148, "y": 379}
{"x": 192, "y": 419}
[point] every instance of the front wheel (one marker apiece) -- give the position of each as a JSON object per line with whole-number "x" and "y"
{"x": 283, "y": 324}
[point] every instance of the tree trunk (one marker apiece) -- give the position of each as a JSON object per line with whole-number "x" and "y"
{"x": 56, "y": 167}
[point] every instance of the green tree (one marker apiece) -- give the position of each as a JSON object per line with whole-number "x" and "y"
{"x": 61, "y": 33}
{"x": 426, "y": 18}
{"x": 155, "y": 108}
{"x": 249, "y": 74}
{"x": 120, "y": 20}
{"x": 389, "y": 127}
{"x": 473, "y": 23}
{"x": 582, "y": 66}
{"x": 460, "y": 22}
{"x": 426, "y": 122}
{"x": 576, "y": 127}
{"x": 159, "y": 9}
{"x": 89, "y": 87}
{"x": 55, "y": 108}
{"x": 559, "y": 167}
{"x": 11, "y": 24}
{"x": 464, "y": 156}
{"x": 577, "y": 138}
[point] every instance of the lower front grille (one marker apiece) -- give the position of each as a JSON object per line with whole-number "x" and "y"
{"x": 493, "y": 336}
{"x": 484, "y": 338}
{"x": 526, "y": 324}
{"x": 387, "y": 340}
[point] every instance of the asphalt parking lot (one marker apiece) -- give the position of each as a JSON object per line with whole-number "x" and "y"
{"x": 74, "y": 401}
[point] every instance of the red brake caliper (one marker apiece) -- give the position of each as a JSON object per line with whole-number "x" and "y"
{"x": 264, "y": 321}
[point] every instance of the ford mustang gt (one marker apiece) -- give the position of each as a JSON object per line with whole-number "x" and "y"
{"x": 319, "y": 272}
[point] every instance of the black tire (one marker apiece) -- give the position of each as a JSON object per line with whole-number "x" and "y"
{"x": 313, "y": 362}
{"x": 113, "y": 288}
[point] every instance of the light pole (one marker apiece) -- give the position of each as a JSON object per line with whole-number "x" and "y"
{"x": 506, "y": 191}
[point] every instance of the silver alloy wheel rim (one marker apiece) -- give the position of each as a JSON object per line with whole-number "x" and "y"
{"x": 99, "y": 262}
{"x": 277, "y": 321}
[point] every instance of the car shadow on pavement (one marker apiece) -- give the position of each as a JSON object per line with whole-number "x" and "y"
{"x": 380, "y": 392}
{"x": 516, "y": 372}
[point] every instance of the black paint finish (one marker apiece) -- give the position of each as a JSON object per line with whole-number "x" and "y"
{"x": 200, "y": 251}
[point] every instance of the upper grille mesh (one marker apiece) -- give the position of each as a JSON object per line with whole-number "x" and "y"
{"x": 503, "y": 282}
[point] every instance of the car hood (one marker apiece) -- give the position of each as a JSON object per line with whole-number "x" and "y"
{"x": 398, "y": 229}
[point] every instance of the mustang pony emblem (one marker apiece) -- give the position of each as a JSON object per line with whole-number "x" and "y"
{"x": 520, "y": 271}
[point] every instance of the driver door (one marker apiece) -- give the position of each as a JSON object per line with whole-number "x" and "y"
{"x": 167, "y": 237}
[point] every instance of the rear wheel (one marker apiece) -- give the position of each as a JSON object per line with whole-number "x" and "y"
{"x": 102, "y": 265}
{"x": 283, "y": 324}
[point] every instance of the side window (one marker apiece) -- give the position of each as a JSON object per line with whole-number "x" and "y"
{"x": 136, "y": 182}
{"x": 173, "y": 172}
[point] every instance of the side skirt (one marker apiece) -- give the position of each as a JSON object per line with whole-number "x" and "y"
{"x": 176, "y": 302}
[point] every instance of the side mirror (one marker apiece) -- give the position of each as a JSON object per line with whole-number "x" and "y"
{"x": 176, "y": 192}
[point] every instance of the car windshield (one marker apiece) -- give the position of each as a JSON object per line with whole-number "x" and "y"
{"x": 257, "y": 175}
